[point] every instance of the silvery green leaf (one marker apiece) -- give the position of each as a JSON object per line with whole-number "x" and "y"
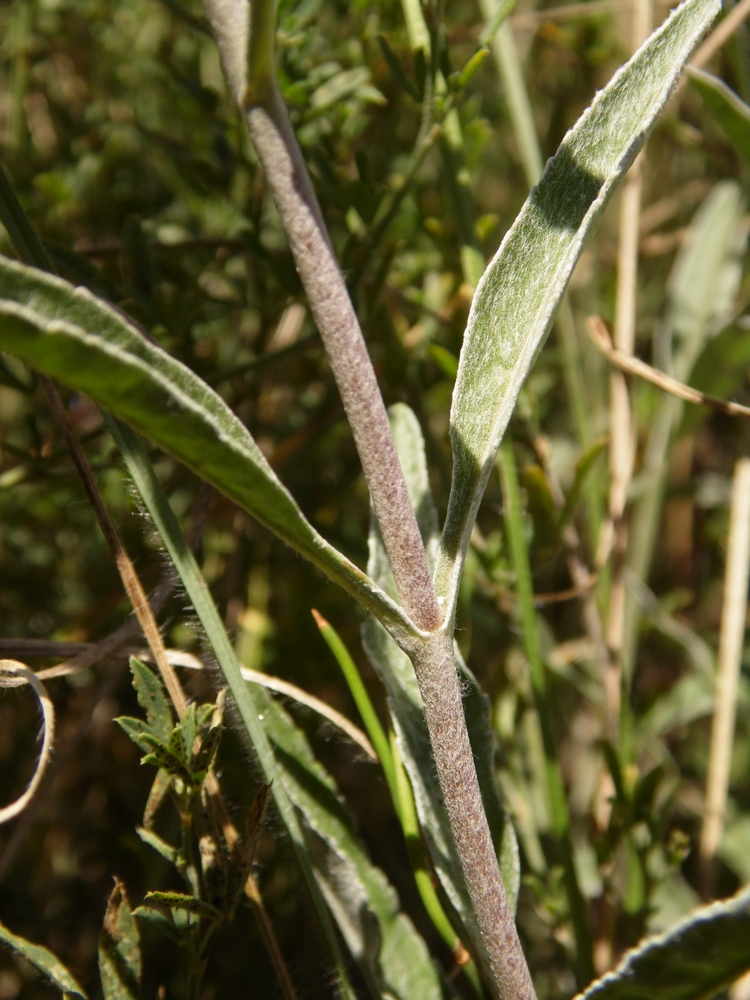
{"x": 70, "y": 335}
{"x": 520, "y": 291}
{"x": 702, "y": 954}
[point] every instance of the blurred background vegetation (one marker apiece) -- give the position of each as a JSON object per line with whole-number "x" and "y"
{"x": 119, "y": 138}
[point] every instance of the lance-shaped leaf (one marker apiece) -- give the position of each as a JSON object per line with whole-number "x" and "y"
{"x": 71, "y": 335}
{"x": 405, "y": 703}
{"x": 48, "y": 964}
{"x": 703, "y": 953}
{"x": 726, "y": 108}
{"x": 521, "y": 289}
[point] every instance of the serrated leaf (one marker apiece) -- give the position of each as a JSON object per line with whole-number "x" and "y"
{"x": 726, "y": 108}
{"x": 170, "y": 757}
{"x": 72, "y": 336}
{"x": 702, "y": 954}
{"x": 151, "y": 698}
{"x": 521, "y": 289}
{"x": 405, "y": 704}
{"x": 48, "y": 964}
{"x": 119, "y": 949}
{"x": 392, "y": 956}
{"x": 182, "y": 737}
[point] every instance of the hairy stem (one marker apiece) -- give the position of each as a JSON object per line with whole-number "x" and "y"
{"x": 439, "y": 685}
{"x": 254, "y": 86}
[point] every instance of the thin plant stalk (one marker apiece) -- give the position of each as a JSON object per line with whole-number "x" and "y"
{"x": 733, "y": 618}
{"x": 439, "y": 685}
{"x": 247, "y": 46}
{"x": 558, "y": 806}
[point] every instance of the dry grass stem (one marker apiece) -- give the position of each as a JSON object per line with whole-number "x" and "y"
{"x": 634, "y": 366}
{"x": 733, "y": 620}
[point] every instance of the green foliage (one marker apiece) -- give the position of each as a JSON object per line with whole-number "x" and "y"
{"x": 681, "y": 963}
{"x": 43, "y": 960}
{"x": 119, "y": 949}
{"x": 133, "y": 166}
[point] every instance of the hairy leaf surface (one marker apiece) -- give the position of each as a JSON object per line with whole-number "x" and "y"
{"x": 70, "y": 335}
{"x": 703, "y": 953}
{"x": 520, "y": 291}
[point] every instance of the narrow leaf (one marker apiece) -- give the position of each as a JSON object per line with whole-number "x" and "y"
{"x": 72, "y": 336}
{"x": 138, "y": 731}
{"x": 182, "y": 901}
{"x": 119, "y": 949}
{"x": 47, "y": 963}
{"x": 521, "y": 289}
{"x": 703, "y": 953}
{"x": 726, "y": 108}
{"x": 166, "y": 850}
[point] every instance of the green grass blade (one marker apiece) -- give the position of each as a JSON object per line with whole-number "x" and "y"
{"x": 70, "y": 335}
{"x": 365, "y": 707}
{"x": 520, "y": 291}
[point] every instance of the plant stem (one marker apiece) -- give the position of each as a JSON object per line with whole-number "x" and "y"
{"x": 439, "y": 686}
{"x": 403, "y": 800}
{"x": 244, "y": 43}
{"x": 258, "y": 95}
